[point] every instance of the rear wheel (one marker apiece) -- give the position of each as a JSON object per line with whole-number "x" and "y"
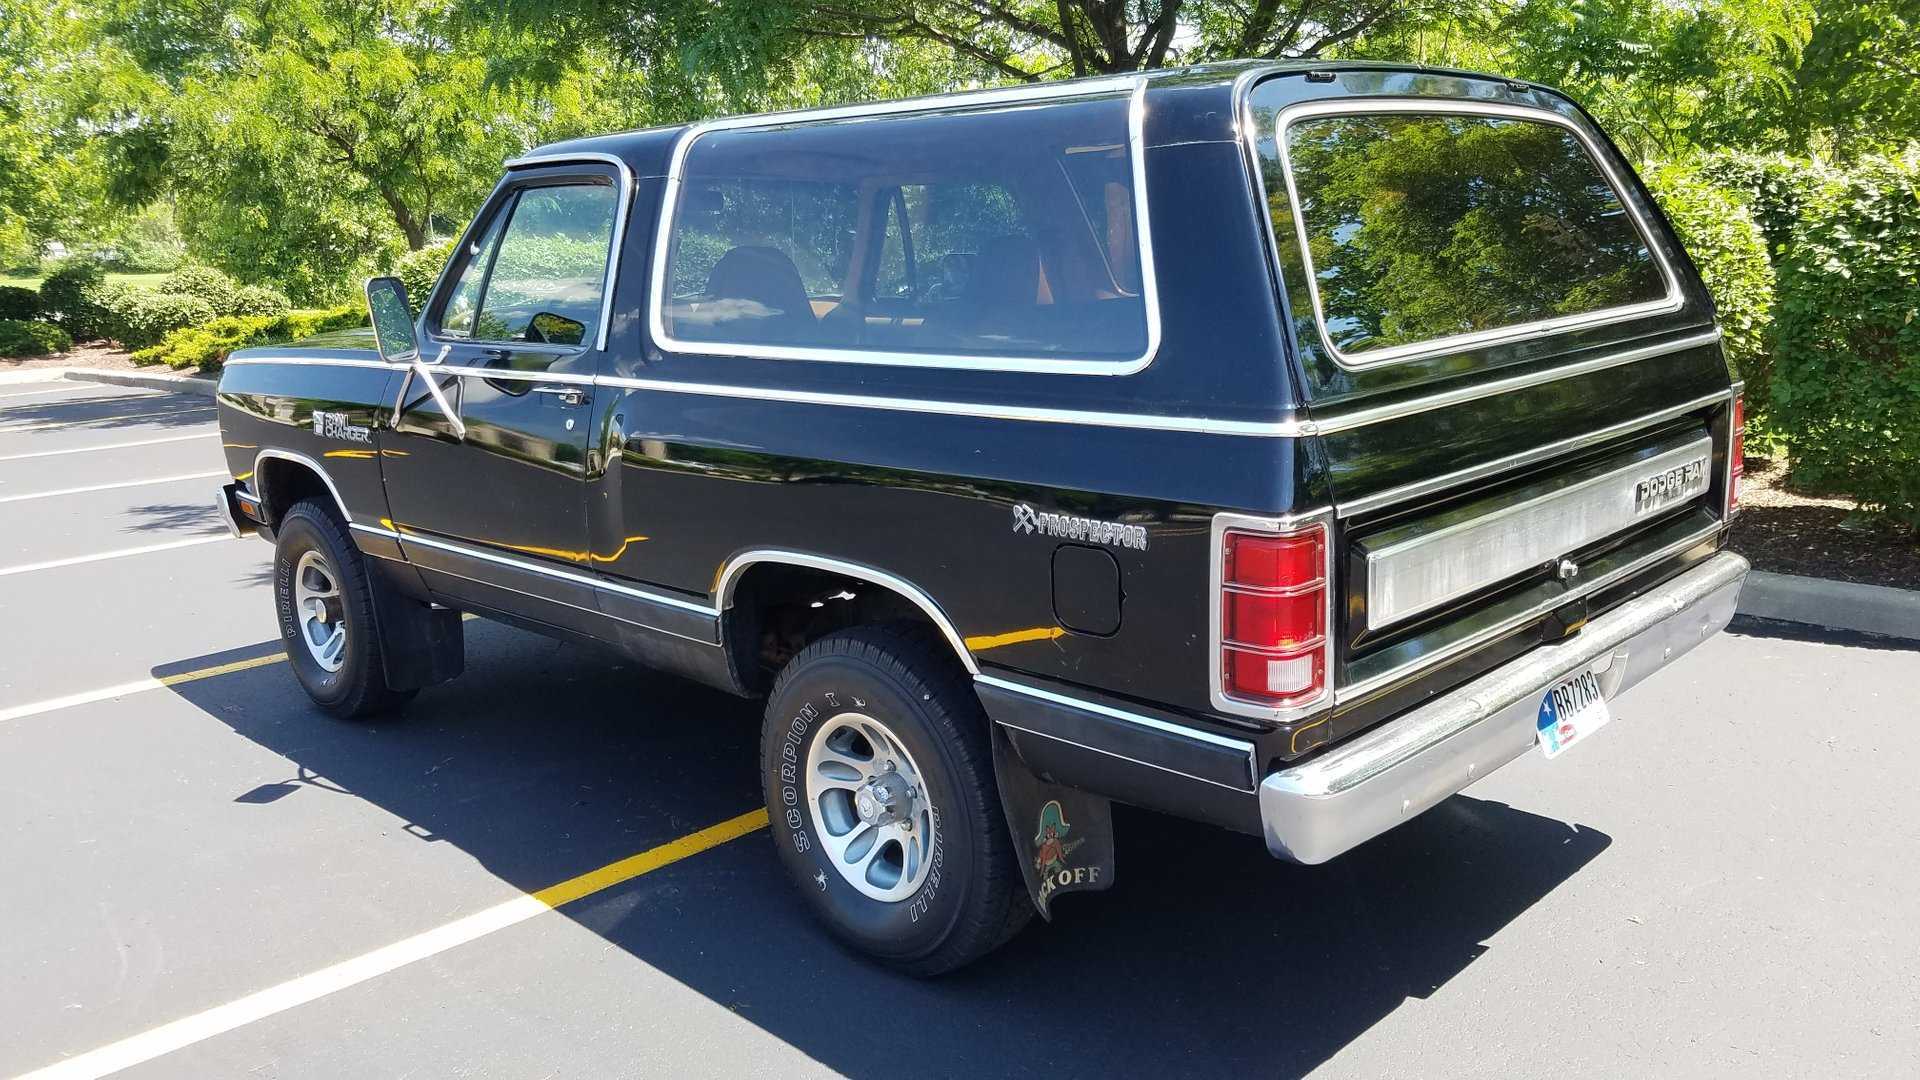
{"x": 879, "y": 780}
{"x": 325, "y": 604}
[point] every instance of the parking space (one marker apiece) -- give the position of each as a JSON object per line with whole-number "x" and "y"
{"x": 204, "y": 877}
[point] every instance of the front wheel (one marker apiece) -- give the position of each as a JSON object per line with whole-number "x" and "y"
{"x": 879, "y": 780}
{"x": 325, "y": 603}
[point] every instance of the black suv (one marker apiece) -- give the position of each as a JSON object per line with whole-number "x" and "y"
{"x": 1282, "y": 447}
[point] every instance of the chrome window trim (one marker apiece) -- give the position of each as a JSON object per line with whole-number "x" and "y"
{"x": 300, "y": 459}
{"x": 1216, "y": 633}
{"x": 729, "y": 575}
{"x": 1152, "y": 722}
{"x": 1135, "y": 86}
{"x": 1364, "y": 687}
{"x": 1493, "y": 564}
{"x": 1287, "y": 427}
{"x": 1418, "y": 488}
{"x": 1672, "y": 301}
{"x": 615, "y": 242}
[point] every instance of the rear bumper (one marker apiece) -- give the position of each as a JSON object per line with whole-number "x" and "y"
{"x": 1360, "y": 789}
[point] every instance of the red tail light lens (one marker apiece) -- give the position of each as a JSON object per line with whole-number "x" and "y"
{"x": 1273, "y": 615}
{"x": 1737, "y": 464}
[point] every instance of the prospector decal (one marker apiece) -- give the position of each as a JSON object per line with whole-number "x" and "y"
{"x": 1066, "y": 527}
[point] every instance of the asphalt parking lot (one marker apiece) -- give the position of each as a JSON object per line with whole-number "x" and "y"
{"x": 553, "y": 867}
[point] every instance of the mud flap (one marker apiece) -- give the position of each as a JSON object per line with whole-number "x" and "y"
{"x": 422, "y": 645}
{"x": 1063, "y": 836}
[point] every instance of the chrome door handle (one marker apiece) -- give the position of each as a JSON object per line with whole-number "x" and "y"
{"x": 568, "y": 395}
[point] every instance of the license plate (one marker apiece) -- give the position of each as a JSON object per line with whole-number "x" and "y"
{"x": 1571, "y": 711}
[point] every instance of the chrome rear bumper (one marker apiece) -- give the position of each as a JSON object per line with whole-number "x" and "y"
{"x": 1360, "y": 789}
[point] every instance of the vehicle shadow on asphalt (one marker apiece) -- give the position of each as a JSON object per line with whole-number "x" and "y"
{"x": 545, "y": 761}
{"x": 111, "y": 410}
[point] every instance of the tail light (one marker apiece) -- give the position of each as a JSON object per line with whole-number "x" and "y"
{"x": 1273, "y": 611}
{"x": 1737, "y": 452}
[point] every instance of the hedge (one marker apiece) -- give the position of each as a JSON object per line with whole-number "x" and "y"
{"x": 206, "y": 346}
{"x": 68, "y": 297}
{"x": 1730, "y": 251}
{"x": 19, "y": 304}
{"x": 23, "y": 337}
{"x": 1846, "y": 381}
{"x": 419, "y": 270}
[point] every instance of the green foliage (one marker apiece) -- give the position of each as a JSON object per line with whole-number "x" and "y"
{"x": 204, "y": 283}
{"x": 1730, "y": 251}
{"x": 68, "y": 296}
{"x": 1846, "y": 381}
{"x": 420, "y": 270}
{"x": 137, "y": 318}
{"x": 259, "y": 300}
{"x": 22, "y": 337}
{"x": 206, "y": 346}
{"x": 18, "y": 304}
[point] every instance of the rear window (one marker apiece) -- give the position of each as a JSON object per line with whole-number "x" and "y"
{"x": 1002, "y": 234}
{"x": 1423, "y": 227}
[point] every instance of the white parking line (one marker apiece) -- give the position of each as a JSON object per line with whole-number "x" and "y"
{"x": 165, "y": 1039}
{"x": 109, "y": 446}
{"x": 110, "y": 487}
{"x": 105, "y": 555}
{"x": 69, "y": 390}
{"x": 55, "y": 425}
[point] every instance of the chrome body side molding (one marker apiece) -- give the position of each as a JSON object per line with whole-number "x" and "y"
{"x": 1154, "y": 723}
{"x": 1361, "y": 788}
{"x": 1285, "y": 427}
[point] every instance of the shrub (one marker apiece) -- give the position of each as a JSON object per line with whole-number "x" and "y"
{"x": 203, "y": 282}
{"x": 1731, "y": 253}
{"x": 24, "y": 337}
{"x": 419, "y": 270}
{"x": 206, "y": 346}
{"x": 18, "y": 304}
{"x": 259, "y": 300}
{"x": 1846, "y": 381}
{"x": 67, "y": 295}
{"x": 137, "y": 317}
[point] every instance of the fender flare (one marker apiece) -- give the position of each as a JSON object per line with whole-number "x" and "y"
{"x": 729, "y": 577}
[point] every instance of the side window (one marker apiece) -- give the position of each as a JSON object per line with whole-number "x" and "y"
{"x": 981, "y": 233}
{"x": 457, "y": 319}
{"x": 538, "y": 273}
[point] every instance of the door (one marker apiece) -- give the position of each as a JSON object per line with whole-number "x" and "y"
{"x": 490, "y": 502}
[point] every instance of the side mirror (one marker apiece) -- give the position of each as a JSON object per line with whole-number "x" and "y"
{"x": 392, "y": 320}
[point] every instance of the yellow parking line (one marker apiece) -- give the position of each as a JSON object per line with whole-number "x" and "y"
{"x": 167, "y": 1038}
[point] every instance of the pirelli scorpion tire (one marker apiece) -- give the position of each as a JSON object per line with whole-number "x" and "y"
{"x": 878, "y": 776}
{"x": 325, "y": 604}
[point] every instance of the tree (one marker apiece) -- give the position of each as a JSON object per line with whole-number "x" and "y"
{"x": 726, "y": 44}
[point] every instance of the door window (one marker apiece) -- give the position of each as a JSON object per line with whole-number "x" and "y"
{"x": 538, "y": 273}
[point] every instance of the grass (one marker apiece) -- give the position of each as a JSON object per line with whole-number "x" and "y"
{"x": 32, "y": 281}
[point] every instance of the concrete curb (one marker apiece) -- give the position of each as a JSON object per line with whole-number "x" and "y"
{"x": 191, "y": 384}
{"x": 1834, "y": 605}
{"x": 151, "y": 380}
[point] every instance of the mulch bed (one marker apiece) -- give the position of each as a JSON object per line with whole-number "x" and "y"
{"x": 1790, "y": 532}
{"x": 93, "y": 354}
